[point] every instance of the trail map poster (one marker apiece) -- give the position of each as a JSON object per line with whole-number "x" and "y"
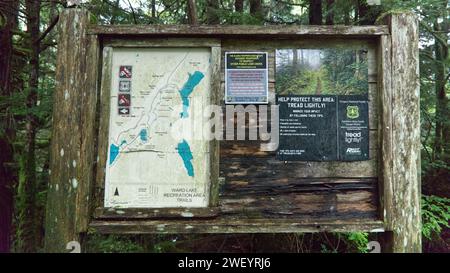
{"x": 155, "y": 93}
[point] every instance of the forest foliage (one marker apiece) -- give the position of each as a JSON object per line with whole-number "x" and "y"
{"x": 28, "y": 44}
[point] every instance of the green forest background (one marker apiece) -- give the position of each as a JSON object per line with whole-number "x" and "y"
{"x": 28, "y": 44}
{"x": 328, "y": 71}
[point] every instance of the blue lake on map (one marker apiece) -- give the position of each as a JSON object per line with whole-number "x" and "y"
{"x": 143, "y": 135}
{"x": 188, "y": 88}
{"x": 114, "y": 151}
{"x": 185, "y": 152}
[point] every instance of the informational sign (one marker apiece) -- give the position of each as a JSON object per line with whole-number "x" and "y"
{"x": 246, "y": 78}
{"x": 153, "y": 95}
{"x": 323, "y": 128}
{"x": 353, "y": 127}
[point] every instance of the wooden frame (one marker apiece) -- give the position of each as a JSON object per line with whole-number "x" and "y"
{"x": 126, "y": 213}
{"x": 76, "y": 175}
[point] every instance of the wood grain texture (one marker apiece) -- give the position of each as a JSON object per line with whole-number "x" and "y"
{"x": 402, "y": 195}
{"x": 103, "y": 130}
{"x": 72, "y": 150}
{"x": 245, "y": 31}
{"x": 214, "y": 144}
{"x": 235, "y": 225}
{"x": 162, "y": 213}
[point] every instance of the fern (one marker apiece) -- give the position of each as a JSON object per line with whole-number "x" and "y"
{"x": 435, "y": 215}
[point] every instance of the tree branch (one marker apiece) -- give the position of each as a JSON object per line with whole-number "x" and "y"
{"x": 49, "y": 28}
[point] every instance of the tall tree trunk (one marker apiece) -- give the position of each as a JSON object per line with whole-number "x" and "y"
{"x": 212, "y": 8}
{"x": 192, "y": 12}
{"x": 115, "y": 12}
{"x": 362, "y": 12}
{"x": 367, "y": 15}
{"x": 239, "y": 5}
{"x": 315, "y": 12}
{"x": 256, "y": 9}
{"x": 295, "y": 64}
{"x": 330, "y": 12}
{"x": 27, "y": 189}
{"x": 154, "y": 10}
{"x": 442, "y": 111}
{"x": 8, "y": 10}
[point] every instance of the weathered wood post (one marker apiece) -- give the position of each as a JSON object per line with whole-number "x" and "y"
{"x": 72, "y": 150}
{"x": 400, "y": 123}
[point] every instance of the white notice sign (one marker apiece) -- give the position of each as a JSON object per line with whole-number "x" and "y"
{"x": 154, "y": 93}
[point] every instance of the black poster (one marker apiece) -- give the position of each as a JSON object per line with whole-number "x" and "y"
{"x": 323, "y": 128}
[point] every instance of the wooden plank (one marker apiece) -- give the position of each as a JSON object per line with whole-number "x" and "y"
{"x": 245, "y": 31}
{"x": 103, "y": 131}
{"x": 271, "y": 197}
{"x": 312, "y": 42}
{"x": 214, "y": 143}
{"x": 385, "y": 126}
{"x": 402, "y": 194}
{"x": 356, "y": 204}
{"x": 88, "y": 115}
{"x": 143, "y": 213}
{"x": 72, "y": 150}
{"x": 235, "y": 226}
{"x": 406, "y": 216}
{"x": 234, "y": 167}
{"x": 275, "y": 185}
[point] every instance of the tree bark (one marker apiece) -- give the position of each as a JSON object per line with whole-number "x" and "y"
{"x": 27, "y": 189}
{"x": 442, "y": 111}
{"x": 315, "y": 12}
{"x": 256, "y": 10}
{"x": 330, "y": 12}
{"x": 8, "y": 10}
{"x": 114, "y": 13}
{"x": 212, "y": 8}
{"x": 367, "y": 15}
{"x": 154, "y": 9}
{"x": 192, "y": 12}
{"x": 239, "y": 5}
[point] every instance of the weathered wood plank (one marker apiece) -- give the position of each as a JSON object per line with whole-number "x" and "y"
{"x": 103, "y": 131}
{"x": 351, "y": 205}
{"x": 236, "y": 226}
{"x": 245, "y": 31}
{"x": 402, "y": 143}
{"x": 235, "y": 167}
{"x": 72, "y": 150}
{"x": 88, "y": 132}
{"x": 144, "y": 213}
{"x": 276, "y": 185}
{"x": 385, "y": 125}
{"x": 214, "y": 144}
{"x": 312, "y": 42}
